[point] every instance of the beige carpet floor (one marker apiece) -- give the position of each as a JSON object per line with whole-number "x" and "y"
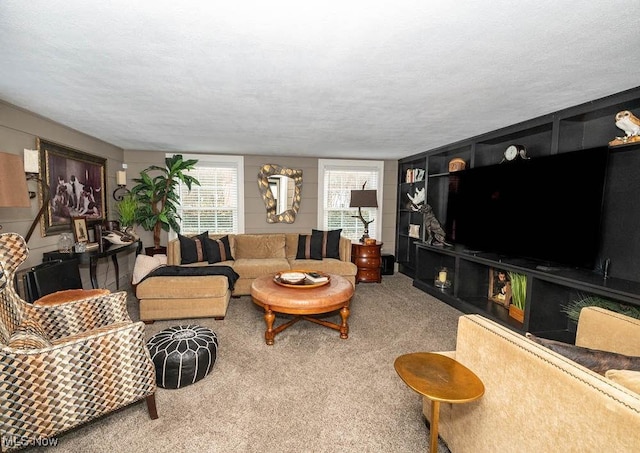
{"x": 310, "y": 392}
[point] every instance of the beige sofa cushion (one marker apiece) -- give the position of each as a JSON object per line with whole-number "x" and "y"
{"x": 603, "y": 329}
{"x": 254, "y": 268}
{"x": 291, "y": 248}
{"x": 330, "y": 265}
{"x": 626, "y": 378}
{"x": 259, "y": 246}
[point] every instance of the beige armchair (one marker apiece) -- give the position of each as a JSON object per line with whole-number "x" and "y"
{"x": 65, "y": 364}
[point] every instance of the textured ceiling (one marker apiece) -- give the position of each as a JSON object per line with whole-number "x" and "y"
{"x": 356, "y": 79}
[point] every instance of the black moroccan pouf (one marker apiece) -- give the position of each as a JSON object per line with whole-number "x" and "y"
{"x": 182, "y": 355}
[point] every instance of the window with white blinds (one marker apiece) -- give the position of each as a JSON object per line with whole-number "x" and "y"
{"x": 217, "y": 204}
{"x": 337, "y": 178}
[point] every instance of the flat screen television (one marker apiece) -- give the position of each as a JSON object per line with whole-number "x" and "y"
{"x": 546, "y": 208}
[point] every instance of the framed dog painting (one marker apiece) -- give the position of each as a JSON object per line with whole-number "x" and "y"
{"x": 75, "y": 183}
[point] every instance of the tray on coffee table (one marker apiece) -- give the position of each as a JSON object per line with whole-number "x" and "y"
{"x": 300, "y": 279}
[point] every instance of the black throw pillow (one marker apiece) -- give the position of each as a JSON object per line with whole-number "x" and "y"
{"x": 325, "y": 244}
{"x": 304, "y": 247}
{"x": 218, "y": 250}
{"x": 192, "y": 249}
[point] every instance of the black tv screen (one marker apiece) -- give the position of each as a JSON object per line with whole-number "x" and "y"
{"x": 546, "y": 208}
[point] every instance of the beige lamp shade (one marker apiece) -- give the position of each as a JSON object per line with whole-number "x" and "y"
{"x": 13, "y": 183}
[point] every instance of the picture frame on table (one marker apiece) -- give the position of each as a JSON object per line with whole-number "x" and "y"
{"x": 80, "y": 230}
{"x": 75, "y": 182}
{"x": 499, "y": 286}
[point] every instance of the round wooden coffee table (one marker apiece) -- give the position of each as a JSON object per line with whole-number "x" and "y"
{"x": 302, "y": 302}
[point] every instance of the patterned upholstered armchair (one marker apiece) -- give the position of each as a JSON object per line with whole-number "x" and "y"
{"x": 65, "y": 364}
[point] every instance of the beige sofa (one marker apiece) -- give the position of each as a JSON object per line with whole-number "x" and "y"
{"x": 538, "y": 401}
{"x": 254, "y": 255}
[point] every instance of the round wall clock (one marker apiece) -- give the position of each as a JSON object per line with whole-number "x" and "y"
{"x": 513, "y": 152}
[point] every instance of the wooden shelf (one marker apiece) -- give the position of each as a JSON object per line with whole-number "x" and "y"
{"x": 547, "y": 290}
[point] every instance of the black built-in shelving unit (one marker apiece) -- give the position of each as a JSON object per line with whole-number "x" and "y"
{"x": 577, "y": 128}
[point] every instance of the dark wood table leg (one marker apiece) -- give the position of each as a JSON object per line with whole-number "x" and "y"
{"x": 344, "y": 327}
{"x": 269, "y": 318}
{"x": 151, "y": 406}
{"x": 116, "y": 268}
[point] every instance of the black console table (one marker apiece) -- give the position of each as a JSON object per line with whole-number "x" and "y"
{"x": 91, "y": 257}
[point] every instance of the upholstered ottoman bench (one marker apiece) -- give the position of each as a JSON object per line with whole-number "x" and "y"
{"x": 183, "y": 355}
{"x": 179, "y": 297}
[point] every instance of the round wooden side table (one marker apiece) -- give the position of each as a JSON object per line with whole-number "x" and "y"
{"x": 368, "y": 259}
{"x": 441, "y": 379}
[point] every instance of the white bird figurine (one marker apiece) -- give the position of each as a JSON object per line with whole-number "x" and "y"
{"x": 630, "y": 124}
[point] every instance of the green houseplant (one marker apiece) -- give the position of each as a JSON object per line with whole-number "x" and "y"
{"x": 518, "y": 283}
{"x": 156, "y": 193}
{"x": 573, "y": 308}
{"x": 127, "y": 208}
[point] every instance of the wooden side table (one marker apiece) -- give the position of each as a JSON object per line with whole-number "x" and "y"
{"x": 368, "y": 259}
{"x": 441, "y": 379}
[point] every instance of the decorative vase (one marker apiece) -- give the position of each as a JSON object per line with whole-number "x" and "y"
{"x": 65, "y": 242}
{"x": 131, "y": 232}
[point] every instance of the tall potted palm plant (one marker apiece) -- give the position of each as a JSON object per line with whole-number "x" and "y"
{"x": 157, "y": 194}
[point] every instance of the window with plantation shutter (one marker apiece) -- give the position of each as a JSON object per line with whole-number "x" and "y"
{"x": 336, "y": 180}
{"x": 217, "y": 204}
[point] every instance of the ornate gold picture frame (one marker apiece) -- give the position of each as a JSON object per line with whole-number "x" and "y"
{"x": 76, "y": 184}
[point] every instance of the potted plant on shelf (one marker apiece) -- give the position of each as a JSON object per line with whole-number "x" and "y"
{"x": 573, "y": 308}
{"x": 518, "y": 288}
{"x": 156, "y": 193}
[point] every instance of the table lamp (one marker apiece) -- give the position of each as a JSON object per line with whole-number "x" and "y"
{"x": 364, "y": 199}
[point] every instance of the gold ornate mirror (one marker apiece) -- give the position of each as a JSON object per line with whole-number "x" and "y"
{"x": 281, "y": 190}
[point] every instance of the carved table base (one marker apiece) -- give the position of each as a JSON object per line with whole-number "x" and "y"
{"x": 302, "y": 303}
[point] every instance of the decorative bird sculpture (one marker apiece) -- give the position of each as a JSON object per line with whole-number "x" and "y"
{"x": 432, "y": 228}
{"x": 630, "y": 124}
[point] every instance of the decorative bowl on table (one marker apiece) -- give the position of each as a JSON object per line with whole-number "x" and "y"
{"x": 292, "y": 278}
{"x": 302, "y": 279}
